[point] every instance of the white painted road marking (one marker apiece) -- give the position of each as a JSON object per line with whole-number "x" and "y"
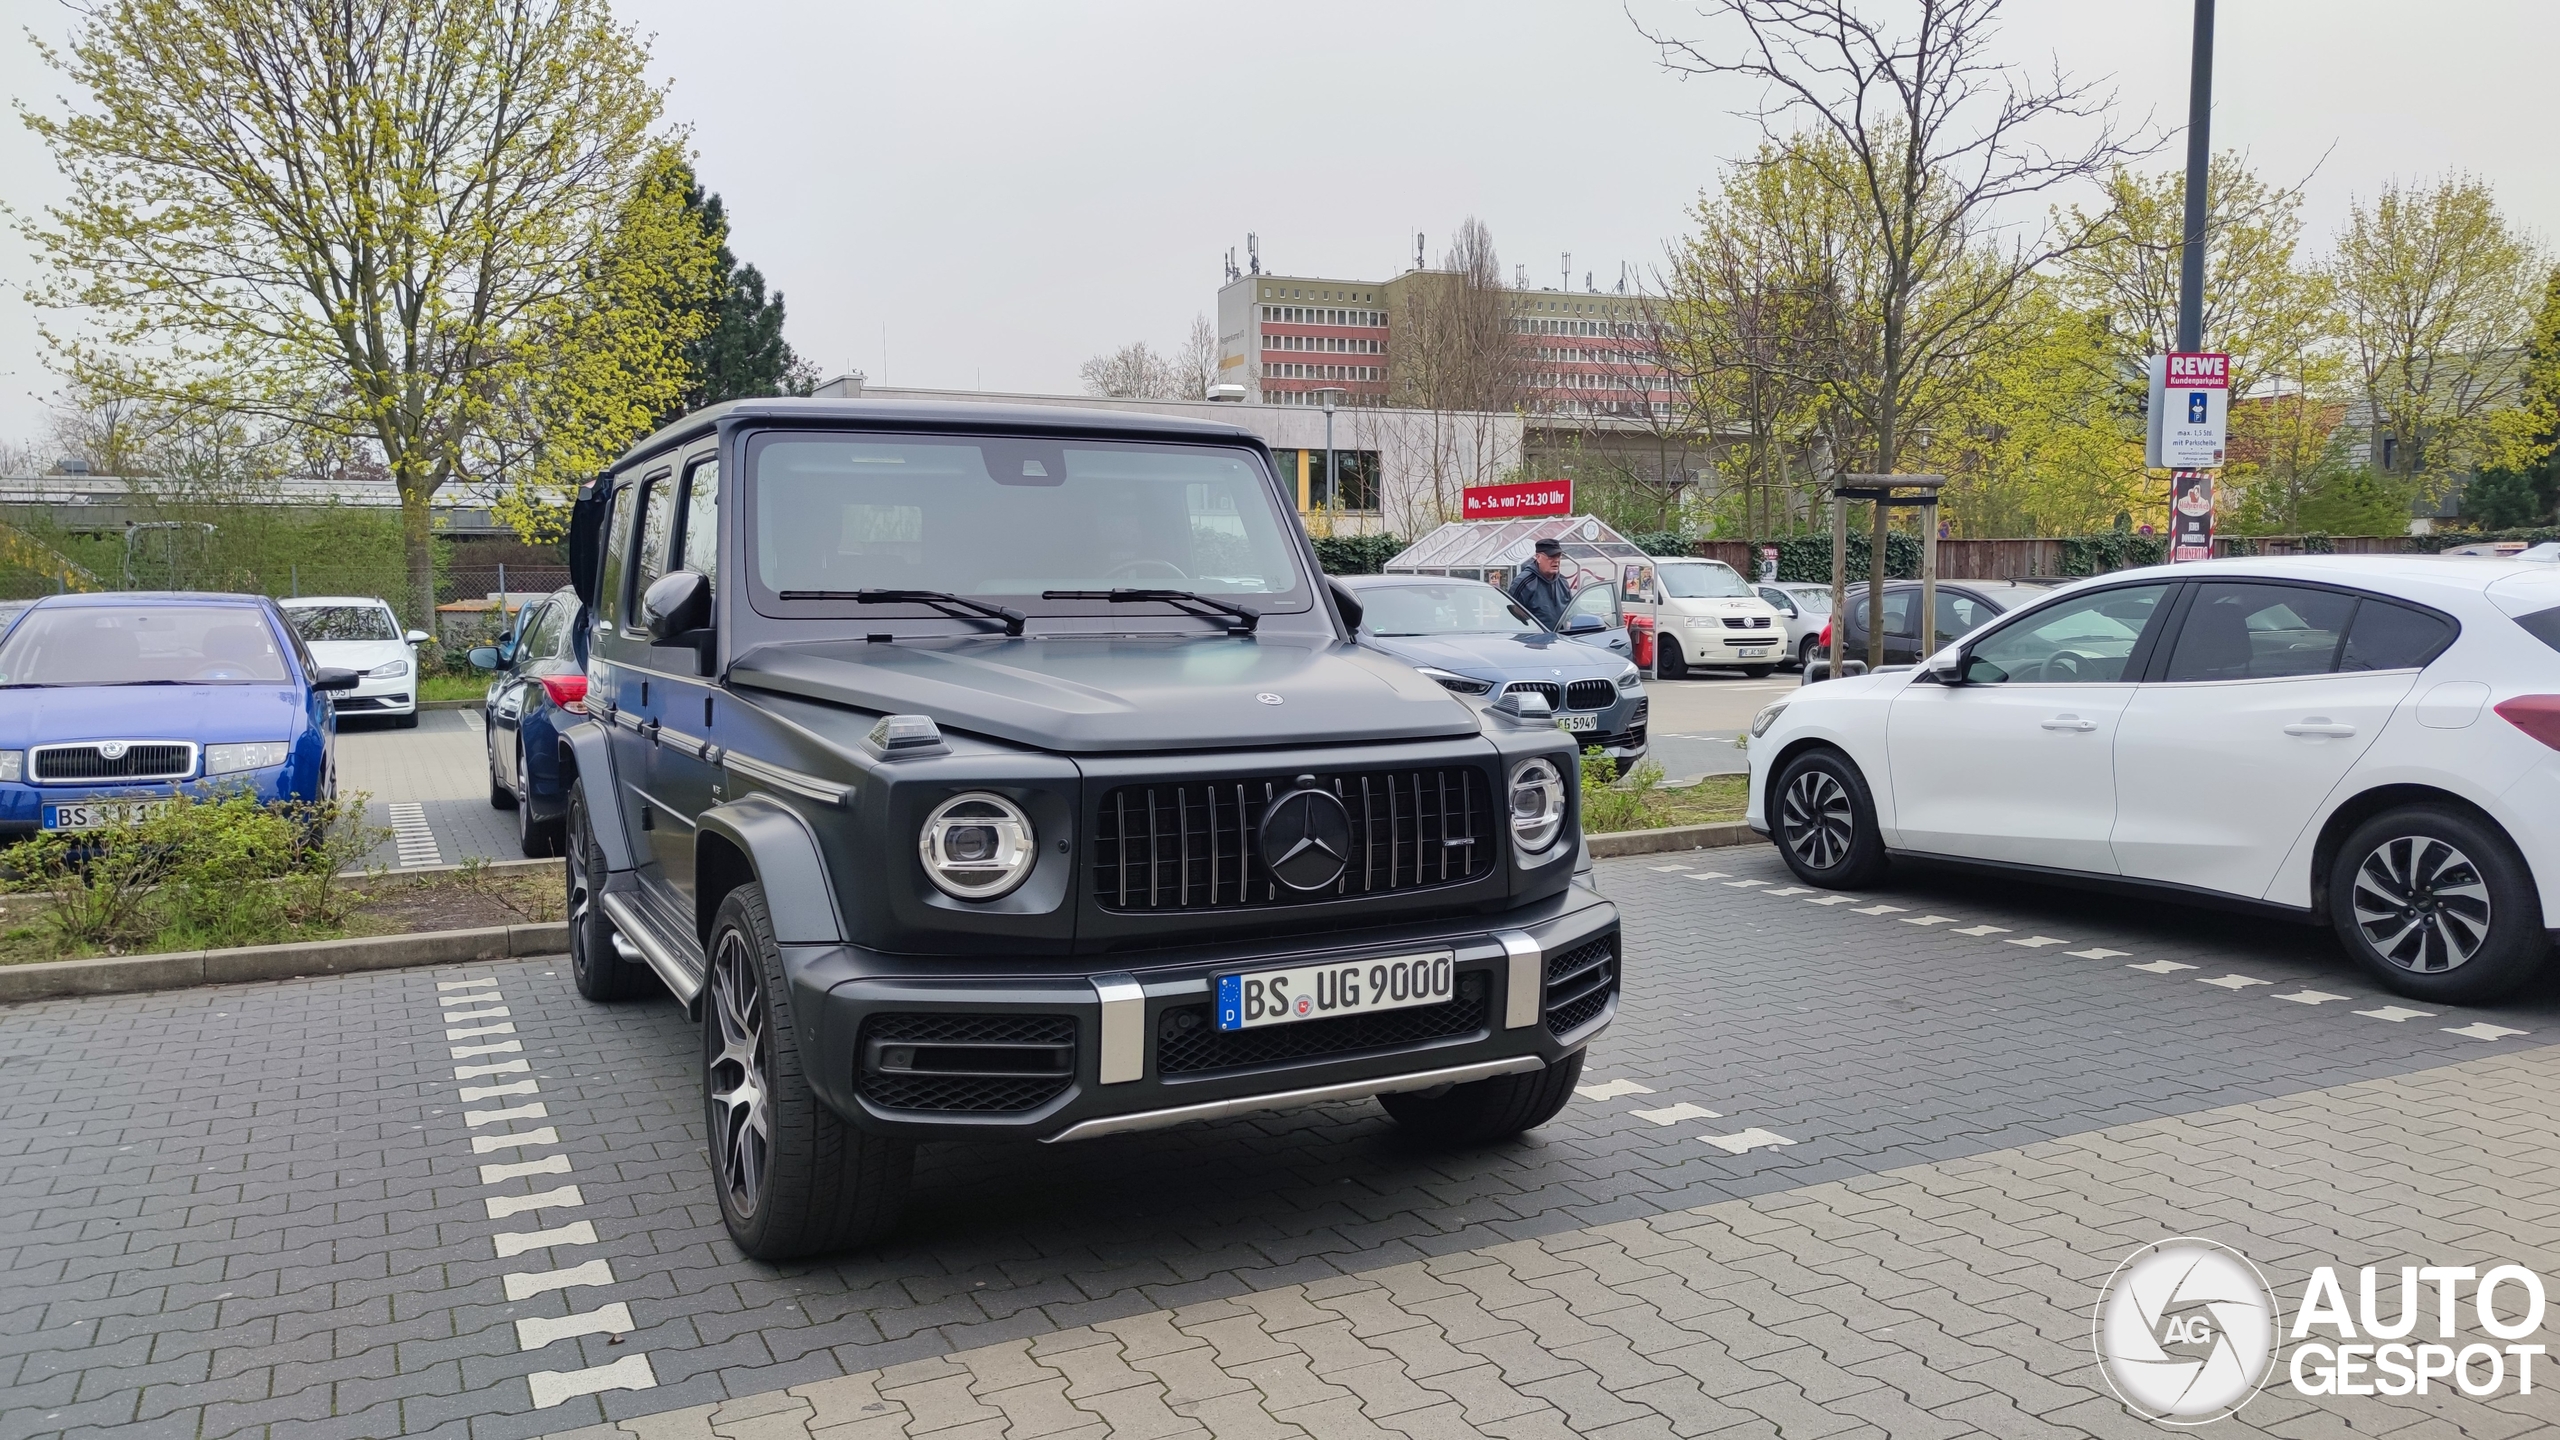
{"x": 2161, "y": 967}
{"x": 483, "y": 1144}
{"x": 2236, "y": 982}
{"x": 2097, "y": 952}
{"x": 1674, "y": 1114}
{"x": 456, "y": 1017}
{"x": 1746, "y": 1140}
{"x": 477, "y": 1118}
{"x": 1978, "y": 931}
{"x": 444, "y": 985}
{"x": 411, "y": 835}
{"x": 1879, "y": 910}
{"x": 501, "y": 1047}
{"x": 512, "y": 1243}
{"x": 1707, "y": 875}
{"x": 499, "y": 1092}
{"x": 495, "y": 1067}
{"x": 1834, "y": 900}
{"x": 2397, "y": 1013}
{"x": 1611, "y": 1090}
{"x": 551, "y": 1387}
{"x": 547, "y": 1165}
{"x": 1930, "y": 920}
{"x": 2310, "y": 997}
{"x": 503, "y": 1027}
{"x": 613, "y": 1319}
{"x": 1788, "y": 890}
{"x": 2482, "y": 1030}
{"x": 2036, "y": 942}
{"x": 566, "y": 1197}
{"x": 1670, "y": 869}
{"x": 524, "y": 1286}
{"x": 1743, "y": 884}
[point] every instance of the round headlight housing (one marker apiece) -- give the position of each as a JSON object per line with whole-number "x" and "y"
{"x": 1537, "y": 804}
{"x": 977, "y": 846}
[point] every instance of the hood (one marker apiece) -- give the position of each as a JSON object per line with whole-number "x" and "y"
{"x": 206, "y": 714}
{"x": 1084, "y": 696}
{"x": 357, "y": 654}
{"x": 1505, "y": 657}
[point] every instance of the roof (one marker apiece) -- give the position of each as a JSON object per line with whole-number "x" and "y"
{"x": 1471, "y": 544}
{"x": 334, "y": 600}
{"x": 930, "y": 415}
{"x": 144, "y": 597}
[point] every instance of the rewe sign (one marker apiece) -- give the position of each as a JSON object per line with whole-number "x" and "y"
{"x": 2190, "y": 411}
{"x": 1510, "y": 502}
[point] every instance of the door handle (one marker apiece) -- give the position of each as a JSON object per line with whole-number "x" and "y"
{"x": 2320, "y": 725}
{"x": 2070, "y": 722}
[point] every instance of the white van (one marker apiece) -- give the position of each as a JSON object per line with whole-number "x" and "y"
{"x": 1708, "y": 616}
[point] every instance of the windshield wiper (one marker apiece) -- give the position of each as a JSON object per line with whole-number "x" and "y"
{"x": 1241, "y": 619}
{"x": 1012, "y": 618}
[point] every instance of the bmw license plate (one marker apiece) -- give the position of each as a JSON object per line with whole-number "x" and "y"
{"x": 101, "y": 814}
{"x": 1578, "y": 723}
{"x": 1321, "y": 992}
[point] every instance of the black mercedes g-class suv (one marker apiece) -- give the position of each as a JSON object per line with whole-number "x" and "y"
{"x": 975, "y": 771}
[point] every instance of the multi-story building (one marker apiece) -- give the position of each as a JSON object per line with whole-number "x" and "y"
{"x": 1288, "y": 339}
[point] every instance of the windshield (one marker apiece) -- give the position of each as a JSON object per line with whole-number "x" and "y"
{"x": 342, "y": 622}
{"x": 137, "y": 645}
{"x": 1702, "y": 580}
{"x": 1005, "y": 520}
{"x": 1459, "y": 608}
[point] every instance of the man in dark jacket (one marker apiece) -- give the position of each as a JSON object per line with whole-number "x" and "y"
{"x": 1541, "y": 589}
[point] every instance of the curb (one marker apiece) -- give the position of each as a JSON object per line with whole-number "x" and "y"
{"x": 128, "y": 974}
{"x": 1672, "y": 837}
{"x": 451, "y": 704}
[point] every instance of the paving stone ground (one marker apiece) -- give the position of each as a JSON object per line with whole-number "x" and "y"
{"x": 256, "y": 1210}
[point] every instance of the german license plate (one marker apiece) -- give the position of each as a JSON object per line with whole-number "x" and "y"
{"x": 1754, "y": 653}
{"x": 101, "y": 814}
{"x": 1578, "y": 723}
{"x": 1321, "y": 992}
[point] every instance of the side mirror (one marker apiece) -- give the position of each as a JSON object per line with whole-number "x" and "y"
{"x": 417, "y": 637}
{"x": 1948, "y": 668}
{"x": 505, "y": 650}
{"x": 485, "y": 657}
{"x": 334, "y": 679}
{"x": 675, "y": 605}
{"x": 1346, "y": 605}
{"x": 1525, "y": 705}
{"x": 1585, "y": 625}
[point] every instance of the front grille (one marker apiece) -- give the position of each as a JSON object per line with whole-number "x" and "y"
{"x": 1754, "y": 622}
{"x": 1189, "y": 1042}
{"x": 141, "y": 760}
{"x": 1579, "y": 983}
{"x": 957, "y": 1061}
{"x": 1590, "y": 695}
{"x": 1551, "y": 690}
{"x": 1191, "y": 846}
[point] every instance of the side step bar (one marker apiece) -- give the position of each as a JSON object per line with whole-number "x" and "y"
{"x": 636, "y": 939}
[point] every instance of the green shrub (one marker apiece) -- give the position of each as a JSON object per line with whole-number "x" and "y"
{"x": 1356, "y": 554}
{"x": 1610, "y": 804}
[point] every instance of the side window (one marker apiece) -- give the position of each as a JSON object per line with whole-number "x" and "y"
{"x": 2237, "y": 631}
{"x": 657, "y": 525}
{"x": 2385, "y": 636}
{"x": 1898, "y": 605}
{"x": 617, "y": 553}
{"x": 1595, "y": 601}
{"x": 1784, "y": 603}
{"x": 1960, "y": 614}
{"x": 543, "y": 637}
{"x": 701, "y": 548}
{"x": 528, "y": 619}
{"x": 2081, "y": 641}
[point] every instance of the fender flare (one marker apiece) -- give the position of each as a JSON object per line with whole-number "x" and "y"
{"x": 782, "y": 852}
{"x": 589, "y": 752}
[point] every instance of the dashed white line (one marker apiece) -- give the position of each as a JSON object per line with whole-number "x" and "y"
{"x": 512, "y": 1243}
{"x": 2034, "y": 942}
{"x": 2161, "y": 967}
{"x": 1706, "y": 875}
{"x": 1978, "y": 931}
{"x": 524, "y": 1285}
{"x": 552, "y": 1387}
{"x": 2236, "y": 981}
{"x": 547, "y": 1165}
{"x": 494, "y": 1012}
{"x": 2397, "y": 1013}
{"x": 483, "y": 1144}
{"x": 444, "y": 985}
{"x": 1744, "y": 884}
{"x": 1879, "y": 910}
{"x": 502, "y": 1047}
{"x": 2097, "y": 952}
{"x": 2482, "y": 1030}
{"x": 500, "y": 1067}
{"x": 411, "y": 836}
{"x": 1788, "y": 890}
{"x": 1674, "y": 1114}
{"x": 1926, "y": 920}
{"x": 1833, "y": 900}
{"x": 1611, "y": 1090}
{"x": 564, "y": 1198}
{"x": 2310, "y": 997}
{"x": 477, "y": 1118}
{"x": 534, "y": 1333}
{"x": 503, "y": 1027}
{"x": 1739, "y": 1142}
{"x": 499, "y": 1092}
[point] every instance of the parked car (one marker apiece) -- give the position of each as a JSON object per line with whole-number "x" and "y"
{"x": 2364, "y": 741}
{"x": 1962, "y": 606}
{"x": 1705, "y": 614}
{"x": 1804, "y": 609}
{"x": 975, "y": 771}
{"x": 539, "y": 685}
{"x": 1475, "y": 641}
{"x": 360, "y": 633}
{"x": 111, "y": 703}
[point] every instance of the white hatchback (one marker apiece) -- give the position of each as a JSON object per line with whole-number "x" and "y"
{"x": 2371, "y": 742}
{"x": 359, "y": 633}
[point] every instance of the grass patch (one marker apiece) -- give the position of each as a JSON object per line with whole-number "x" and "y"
{"x": 1639, "y": 800}
{"x": 473, "y": 686}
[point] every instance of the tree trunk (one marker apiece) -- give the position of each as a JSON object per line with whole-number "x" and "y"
{"x": 417, "y": 545}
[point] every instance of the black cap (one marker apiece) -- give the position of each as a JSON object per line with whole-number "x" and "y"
{"x": 1550, "y": 547}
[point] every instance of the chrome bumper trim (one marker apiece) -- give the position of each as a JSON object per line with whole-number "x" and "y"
{"x": 1527, "y": 992}
{"x": 1124, "y": 1029}
{"x": 1281, "y": 1100}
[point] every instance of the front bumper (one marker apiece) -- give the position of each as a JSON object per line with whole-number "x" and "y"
{"x": 1134, "y": 1049}
{"x": 22, "y": 805}
{"x": 397, "y": 696}
{"x": 1703, "y": 644}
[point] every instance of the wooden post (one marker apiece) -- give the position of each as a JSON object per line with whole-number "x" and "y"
{"x": 1928, "y": 580}
{"x": 1839, "y": 578}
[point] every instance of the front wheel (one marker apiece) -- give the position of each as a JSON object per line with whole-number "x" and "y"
{"x": 793, "y": 1178}
{"x": 1481, "y": 1112}
{"x": 1757, "y": 672}
{"x": 1805, "y": 652}
{"x": 1672, "y": 664}
{"x": 598, "y": 969}
{"x": 406, "y": 722}
{"x": 2437, "y": 906}
{"x": 1825, "y": 821}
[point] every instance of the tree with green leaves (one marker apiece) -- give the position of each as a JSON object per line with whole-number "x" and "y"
{"x": 2522, "y": 485}
{"x": 340, "y": 214}
{"x": 740, "y": 354}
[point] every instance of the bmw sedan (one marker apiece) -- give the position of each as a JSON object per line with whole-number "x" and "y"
{"x": 110, "y": 703}
{"x": 1474, "y": 641}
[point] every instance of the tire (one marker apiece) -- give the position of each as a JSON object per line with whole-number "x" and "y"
{"x": 500, "y": 797}
{"x": 1805, "y": 652}
{"x": 1824, "y": 819}
{"x": 2437, "y": 905}
{"x": 599, "y": 970}
{"x": 1757, "y": 672}
{"x": 539, "y": 839}
{"x": 1670, "y": 663}
{"x": 406, "y": 722}
{"x": 793, "y": 1178}
{"x": 1481, "y": 1112}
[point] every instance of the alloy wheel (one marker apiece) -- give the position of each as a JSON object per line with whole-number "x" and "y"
{"x": 2421, "y": 904}
{"x": 1817, "y": 819}
{"x": 582, "y": 895}
{"x": 740, "y": 1078}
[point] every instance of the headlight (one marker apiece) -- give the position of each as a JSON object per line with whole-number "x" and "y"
{"x": 1537, "y": 804}
{"x": 1632, "y": 680}
{"x": 13, "y": 764}
{"x": 1451, "y": 680}
{"x": 386, "y": 672}
{"x": 258, "y": 755}
{"x": 976, "y": 846}
{"x": 1761, "y": 722}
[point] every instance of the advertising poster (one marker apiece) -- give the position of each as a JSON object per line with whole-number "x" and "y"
{"x": 2190, "y": 515}
{"x": 1510, "y": 502}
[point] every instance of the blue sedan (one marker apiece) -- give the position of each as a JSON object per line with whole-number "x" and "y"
{"x": 111, "y": 702}
{"x": 540, "y": 687}
{"x": 1472, "y": 639}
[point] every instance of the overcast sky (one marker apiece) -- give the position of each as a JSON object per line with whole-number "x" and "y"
{"x": 982, "y": 195}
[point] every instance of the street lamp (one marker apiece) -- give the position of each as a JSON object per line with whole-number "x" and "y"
{"x": 1332, "y": 480}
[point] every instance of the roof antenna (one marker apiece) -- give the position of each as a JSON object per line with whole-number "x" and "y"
{"x": 1568, "y": 272}
{"x": 1417, "y": 249}
{"x": 1253, "y": 251}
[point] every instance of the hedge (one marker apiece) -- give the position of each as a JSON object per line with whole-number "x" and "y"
{"x": 1356, "y": 554}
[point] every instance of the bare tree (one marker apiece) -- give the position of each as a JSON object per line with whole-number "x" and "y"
{"x": 1133, "y": 372}
{"x": 1455, "y": 344}
{"x": 1195, "y": 369}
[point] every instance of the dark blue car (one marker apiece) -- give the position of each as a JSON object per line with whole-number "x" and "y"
{"x": 539, "y": 685}
{"x": 113, "y": 701}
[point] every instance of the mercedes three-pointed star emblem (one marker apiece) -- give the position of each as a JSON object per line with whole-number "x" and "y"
{"x": 1306, "y": 838}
